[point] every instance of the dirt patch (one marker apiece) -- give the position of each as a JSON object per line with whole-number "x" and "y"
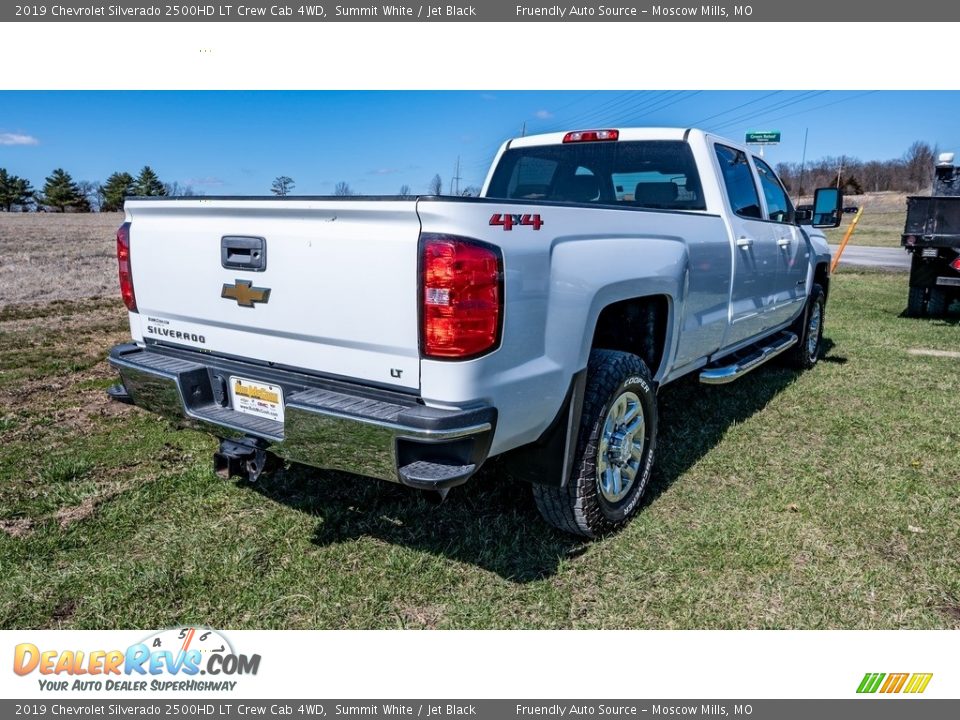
{"x": 63, "y": 612}
{"x": 952, "y": 613}
{"x": 17, "y": 527}
{"x": 67, "y": 516}
{"x": 425, "y": 617}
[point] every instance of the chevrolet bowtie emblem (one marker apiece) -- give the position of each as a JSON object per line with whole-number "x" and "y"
{"x": 244, "y": 293}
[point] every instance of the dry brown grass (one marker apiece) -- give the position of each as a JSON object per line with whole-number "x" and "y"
{"x": 47, "y": 256}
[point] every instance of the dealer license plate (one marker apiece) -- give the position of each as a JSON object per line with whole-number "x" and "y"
{"x": 256, "y": 398}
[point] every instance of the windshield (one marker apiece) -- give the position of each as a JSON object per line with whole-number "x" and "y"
{"x": 660, "y": 174}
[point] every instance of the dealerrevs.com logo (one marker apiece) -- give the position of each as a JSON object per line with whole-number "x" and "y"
{"x": 182, "y": 659}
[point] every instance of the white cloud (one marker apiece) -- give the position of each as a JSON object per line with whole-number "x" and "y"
{"x": 383, "y": 171}
{"x": 543, "y": 114}
{"x": 17, "y": 139}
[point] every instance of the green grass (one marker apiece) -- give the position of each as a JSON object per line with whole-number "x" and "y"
{"x": 875, "y": 228}
{"x": 828, "y": 499}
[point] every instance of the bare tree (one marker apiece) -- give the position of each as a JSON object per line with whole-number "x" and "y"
{"x": 918, "y": 162}
{"x": 342, "y": 189}
{"x": 175, "y": 189}
{"x": 404, "y": 191}
{"x": 470, "y": 191}
{"x": 91, "y": 191}
{"x": 282, "y": 185}
{"x": 435, "y": 186}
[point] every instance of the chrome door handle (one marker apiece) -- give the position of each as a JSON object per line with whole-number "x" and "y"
{"x": 744, "y": 242}
{"x": 784, "y": 242}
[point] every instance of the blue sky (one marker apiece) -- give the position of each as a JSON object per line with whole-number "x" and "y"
{"x": 237, "y": 142}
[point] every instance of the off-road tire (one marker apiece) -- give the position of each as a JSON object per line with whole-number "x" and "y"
{"x": 917, "y": 301}
{"x": 579, "y": 507}
{"x": 938, "y": 302}
{"x": 800, "y": 355}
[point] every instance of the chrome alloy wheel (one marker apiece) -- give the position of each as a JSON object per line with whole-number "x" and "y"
{"x": 813, "y": 329}
{"x": 621, "y": 447}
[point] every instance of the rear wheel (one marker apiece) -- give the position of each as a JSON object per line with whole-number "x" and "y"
{"x": 615, "y": 449}
{"x": 809, "y": 330}
{"x": 917, "y": 301}
{"x": 938, "y": 302}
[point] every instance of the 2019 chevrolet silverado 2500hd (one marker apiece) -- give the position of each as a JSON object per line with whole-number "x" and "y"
{"x": 410, "y": 339}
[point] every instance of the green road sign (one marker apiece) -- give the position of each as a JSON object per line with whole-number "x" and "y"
{"x": 763, "y": 137}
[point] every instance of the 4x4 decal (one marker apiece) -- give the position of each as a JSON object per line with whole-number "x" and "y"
{"x": 508, "y": 222}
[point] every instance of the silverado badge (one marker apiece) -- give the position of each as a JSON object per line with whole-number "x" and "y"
{"x": 244, "y": 293}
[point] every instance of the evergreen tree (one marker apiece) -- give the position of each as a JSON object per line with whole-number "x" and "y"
{"x": 23, "y": 192}
{"x": 14, "y": 191}
{"x": 62, "y": 193}
{"x": 148, "y": 184}
{"x": 115, "y": 190}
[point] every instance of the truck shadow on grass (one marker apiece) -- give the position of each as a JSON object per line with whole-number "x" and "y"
{"x": 492, "y": 522}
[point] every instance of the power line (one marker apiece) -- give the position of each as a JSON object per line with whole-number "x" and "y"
{"x": 662, "y": 106}
{"x": 763, "y": 112}
{"x": 819, "y": 107}
{"x": 574, "y": 102}
{"x": 735, "y": 108}
{"x": 631, "y": 101}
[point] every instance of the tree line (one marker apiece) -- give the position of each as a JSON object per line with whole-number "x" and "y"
{"x": 910, "y": 173}
{"x": 61, "y": 193}
{"x": 283, "y": 185}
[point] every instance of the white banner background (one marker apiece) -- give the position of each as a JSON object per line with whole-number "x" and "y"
{"x": 539, "y": 664}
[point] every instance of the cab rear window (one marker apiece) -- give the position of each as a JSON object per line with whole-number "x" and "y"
{"x": 657, "y": 174}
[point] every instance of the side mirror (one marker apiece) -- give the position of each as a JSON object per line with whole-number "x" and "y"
{"x": 827, "y": 207}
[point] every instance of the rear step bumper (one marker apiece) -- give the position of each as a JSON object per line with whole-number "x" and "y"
{"x": 328, "y": 424}
{"x": 743, "y": 362}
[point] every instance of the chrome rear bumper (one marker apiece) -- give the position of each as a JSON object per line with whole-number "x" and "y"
{"x": 327, "y": 424}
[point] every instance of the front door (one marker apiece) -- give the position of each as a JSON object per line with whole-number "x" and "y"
{"x": 789, "y": 290}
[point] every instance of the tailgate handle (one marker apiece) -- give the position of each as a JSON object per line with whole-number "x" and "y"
{"x": 240, "y": 252}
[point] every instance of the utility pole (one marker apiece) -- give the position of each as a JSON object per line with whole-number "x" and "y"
{"x": 456, "y": 178}
{"x": 840, "y": 170}
{"x": 523, "y": 129}
{"x": 803, "y": 164}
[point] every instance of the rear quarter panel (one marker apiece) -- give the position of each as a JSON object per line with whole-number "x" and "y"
{"x": 557, "y": 281}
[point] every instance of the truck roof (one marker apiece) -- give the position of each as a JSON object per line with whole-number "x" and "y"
{"x": 626, "y": 133}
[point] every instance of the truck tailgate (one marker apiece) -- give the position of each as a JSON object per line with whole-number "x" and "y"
{"x": 341, "y": 275}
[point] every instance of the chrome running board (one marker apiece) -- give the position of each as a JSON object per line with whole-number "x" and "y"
{"x": 749, "y": 359}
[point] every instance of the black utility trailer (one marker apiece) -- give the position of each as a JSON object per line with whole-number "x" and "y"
{"x": 932, "y": 236}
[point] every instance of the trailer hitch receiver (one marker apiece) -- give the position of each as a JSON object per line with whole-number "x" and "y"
{"x": 240, "y": 458}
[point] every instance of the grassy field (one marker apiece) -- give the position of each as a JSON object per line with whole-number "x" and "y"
{"x": 881, "y": 223}
{"x": 829, "y": 499}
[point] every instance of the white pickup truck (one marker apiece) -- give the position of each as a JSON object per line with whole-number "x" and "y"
{"x": 410, "y": 339}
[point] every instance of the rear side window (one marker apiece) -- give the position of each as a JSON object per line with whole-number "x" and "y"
{"x": 779, "y": 207}
{"x": 657, "y": 174}
{"x": 738, "y": 180}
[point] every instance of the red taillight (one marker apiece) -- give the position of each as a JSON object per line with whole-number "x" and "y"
{"x": 461, "y": 295}
{"x": 591, "y": 136}
{"x": 956, "y": 263}
{"x": 123, "y": 263}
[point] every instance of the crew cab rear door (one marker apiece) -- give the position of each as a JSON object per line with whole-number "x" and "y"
{"x": 755, "y": 247}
